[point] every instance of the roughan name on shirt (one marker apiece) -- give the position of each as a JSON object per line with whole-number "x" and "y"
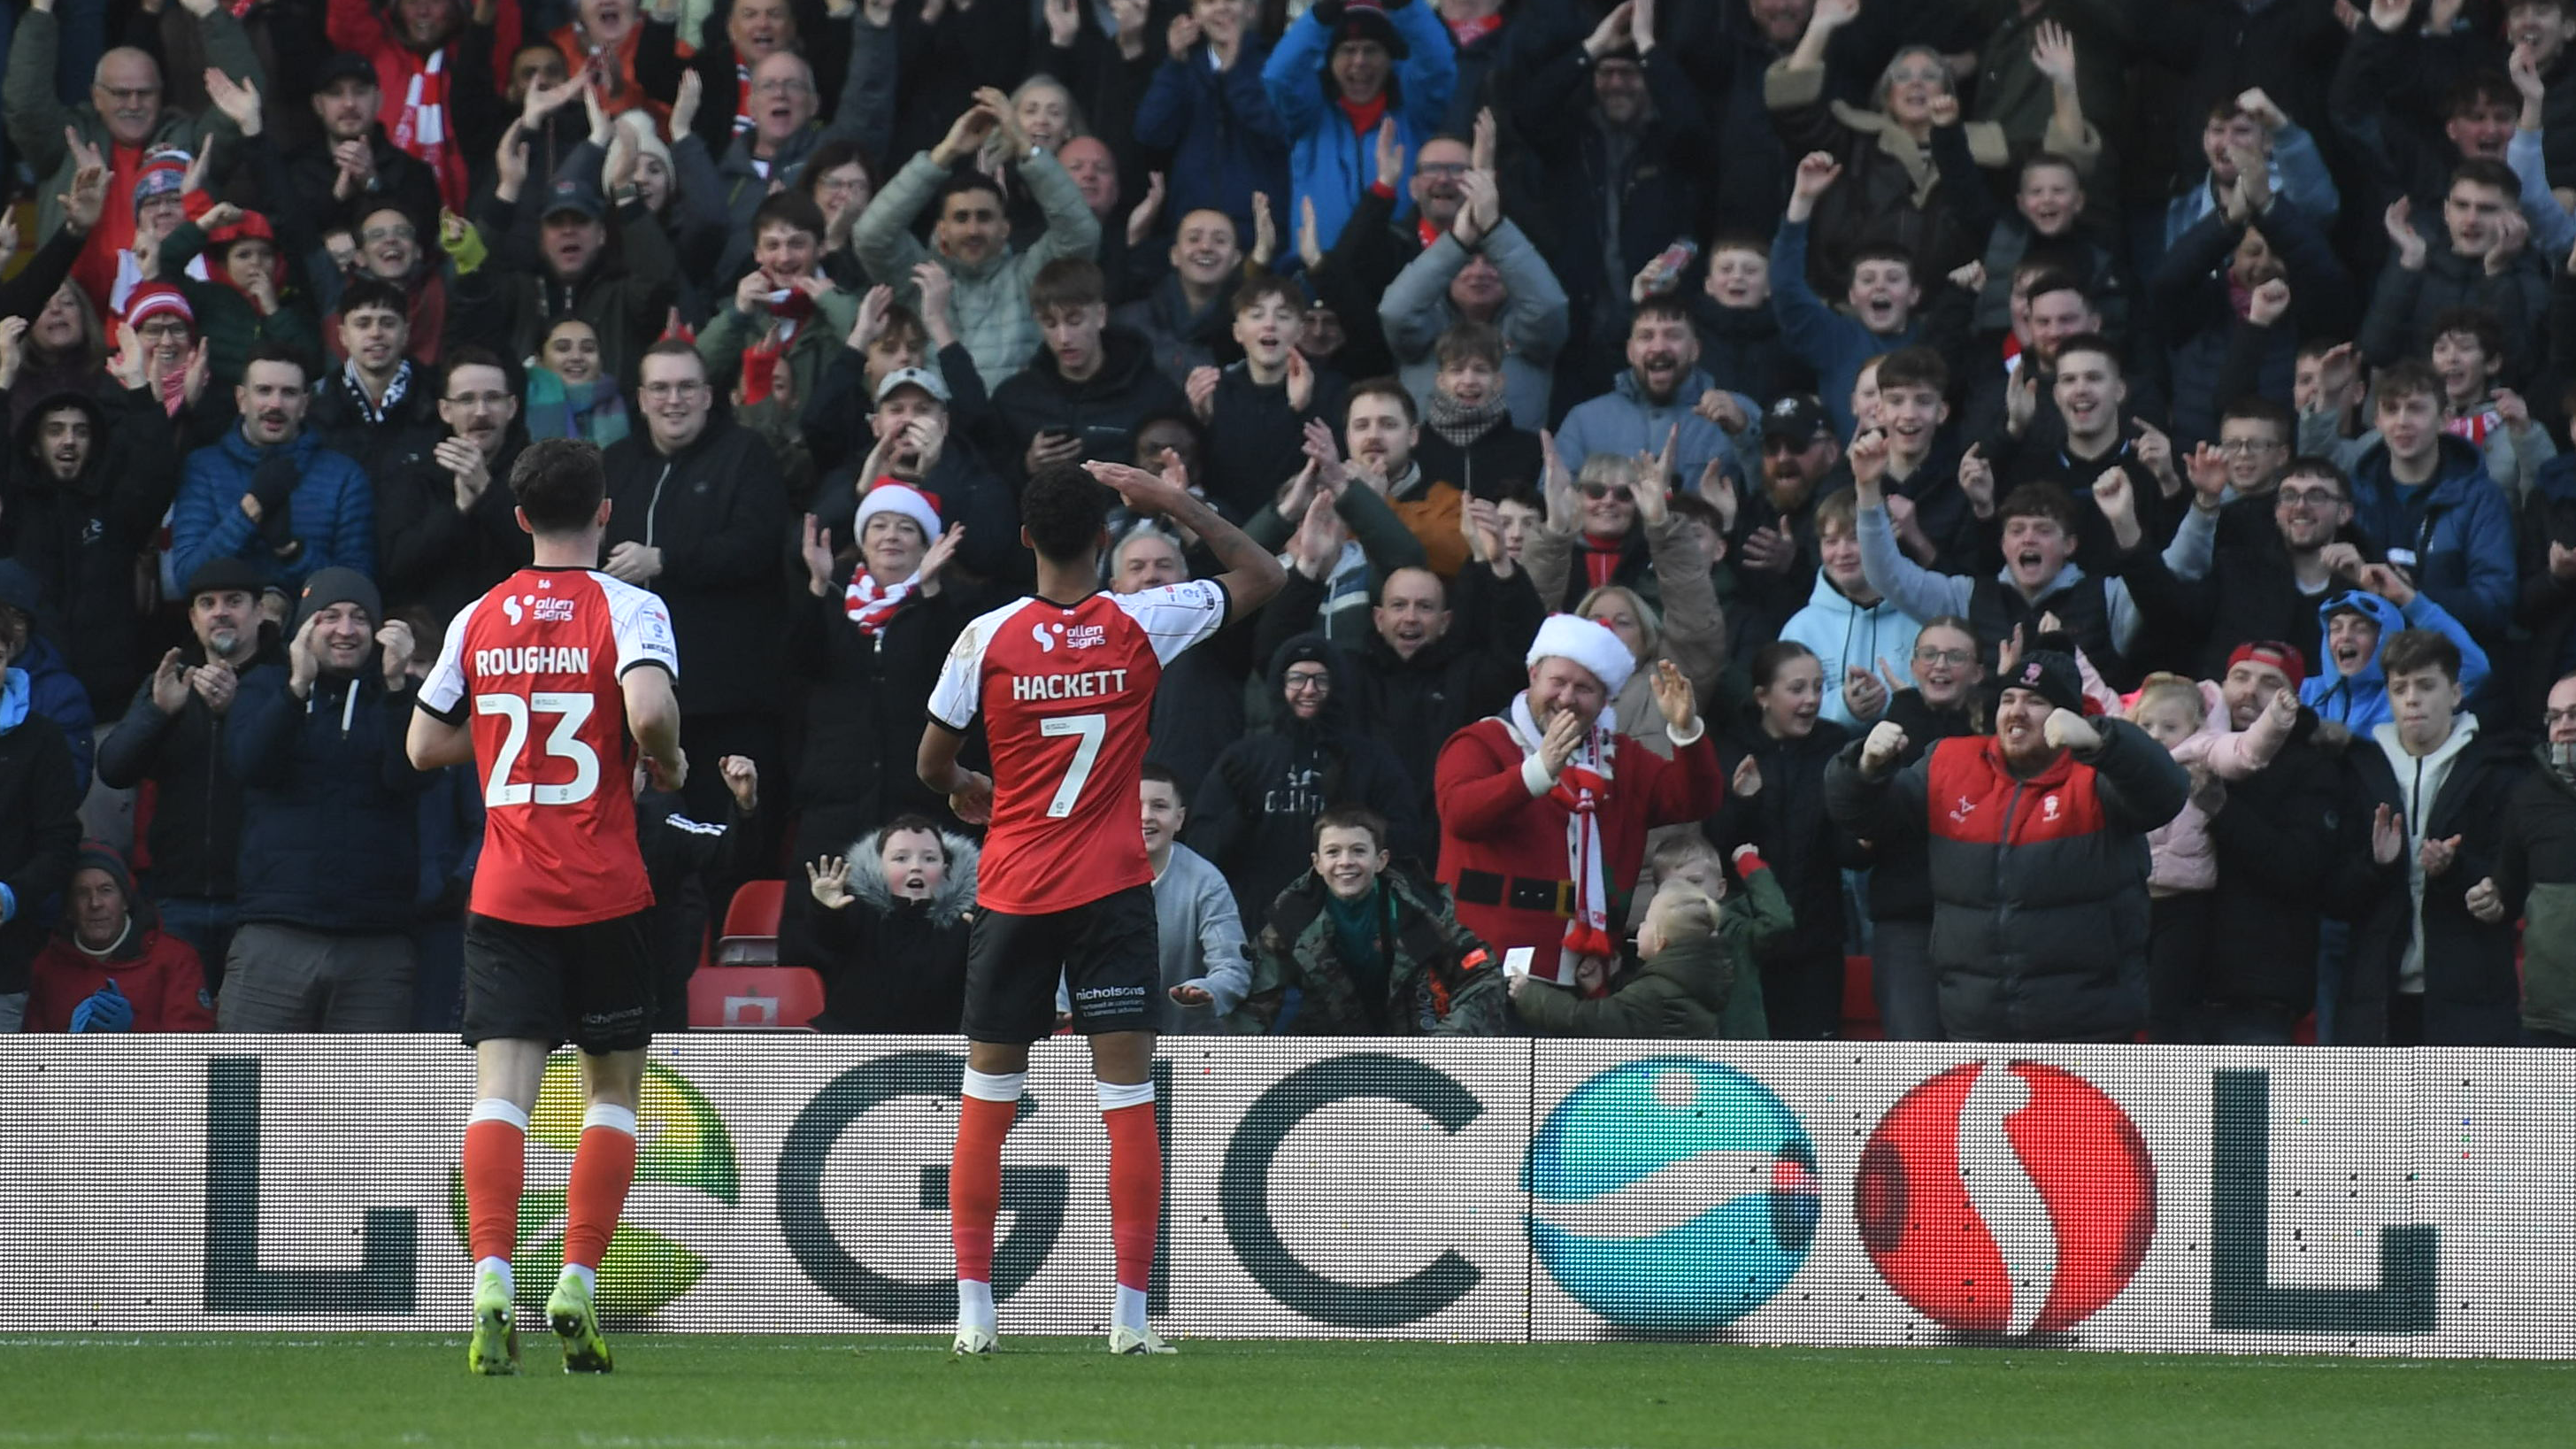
{"x": 1088, "y": 684}
{"x": 534, "y": 659}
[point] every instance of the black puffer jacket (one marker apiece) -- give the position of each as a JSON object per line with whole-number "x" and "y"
{"x": 2039, "y": 885}
{"x": 197, "y": 799}
{"x": 717, "y": 510}
{"x": 897, "y": 966}
{"x": 1254, "y": 816}
{"x": 2278, "y": 841}
{"x": 80, "y": 538}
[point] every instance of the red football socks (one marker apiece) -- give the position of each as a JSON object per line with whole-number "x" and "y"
{"x": 495, "y": 1174}
{"x": 602, "y": 1168}
{"x": 975, "y": 1171}
{"x": 1135, "y": 1185}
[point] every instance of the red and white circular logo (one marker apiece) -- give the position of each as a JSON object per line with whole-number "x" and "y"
{"x": 2008, "y": 1201}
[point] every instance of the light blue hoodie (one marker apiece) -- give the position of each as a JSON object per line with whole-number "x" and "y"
{"x": 1844, "y": 634}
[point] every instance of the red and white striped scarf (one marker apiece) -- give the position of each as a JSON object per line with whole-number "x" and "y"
{"x": 421, "y": 127}
{"x": 1583, "y": 788}
{"x": 742, "y": 121}
{"x": 869, "y": 606}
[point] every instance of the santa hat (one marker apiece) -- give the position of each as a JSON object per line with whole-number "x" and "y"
{"x": 1594, "y": 646}
{"x": 152, "y": 298}
{"x": 900, "y": 498}
{"x": 164, "y": 173}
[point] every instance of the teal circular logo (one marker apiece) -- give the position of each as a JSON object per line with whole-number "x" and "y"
{"x": 1672, "y": 1196}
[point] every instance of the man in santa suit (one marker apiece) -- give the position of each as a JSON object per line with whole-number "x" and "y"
{"x": 1544, "y": 808}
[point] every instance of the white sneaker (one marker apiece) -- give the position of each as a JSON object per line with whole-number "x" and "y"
{"x": 973, "y": 1340}
{"x": 1130, "y": 1340}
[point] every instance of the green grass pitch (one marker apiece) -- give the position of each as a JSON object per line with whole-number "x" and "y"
{"x": 676, "y": 1390}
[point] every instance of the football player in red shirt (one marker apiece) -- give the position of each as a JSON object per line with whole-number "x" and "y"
{"x": 1064, "y": 681}
{"x": 542, "y": 683}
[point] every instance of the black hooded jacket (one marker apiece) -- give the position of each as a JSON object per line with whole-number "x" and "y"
{"x": 1126, "y": 390}
{"x": 896, "y": 965}
{"x": 1254, "y": 817}
{"x": 79, "y": 539}
{"x": 431, "y": 555}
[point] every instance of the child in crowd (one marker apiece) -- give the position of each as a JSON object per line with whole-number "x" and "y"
{"x": 570, "y": 394}
{"x": 898, "y": 907}
{"x": 2353, "y": 692}
{"x": 1680, "y": 991}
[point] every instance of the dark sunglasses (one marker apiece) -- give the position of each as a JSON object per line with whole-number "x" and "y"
{"x": 1598, "y": 491}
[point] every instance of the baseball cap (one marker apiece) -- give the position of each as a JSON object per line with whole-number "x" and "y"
{"x": 569, "y": 194}
{"x": 1797, "y": 417}
{"x": 344, "y": 65}
{"x": 920, "y": 377}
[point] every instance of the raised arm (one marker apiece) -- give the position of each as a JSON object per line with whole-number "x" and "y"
{"x": 1252, "y": 574}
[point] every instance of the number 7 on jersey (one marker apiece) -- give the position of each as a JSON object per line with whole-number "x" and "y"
{"x": 1090, "y": 730}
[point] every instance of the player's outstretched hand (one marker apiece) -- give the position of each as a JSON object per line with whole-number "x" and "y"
{"x": 669, "y": 774}
{"x": 829, "y": 880}
{"x": 1147, "y": 493}
{"x": 742, "y": 777}
{"x": 974, "y": 803}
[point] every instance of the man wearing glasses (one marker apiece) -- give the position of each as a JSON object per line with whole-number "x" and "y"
{"x": 698, "y": 509}
{"x": 445, "y": 529}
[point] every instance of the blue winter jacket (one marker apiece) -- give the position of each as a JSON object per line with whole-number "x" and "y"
{"x": 2458, "y": 528}
{"x": 1824, "y": 339}
{"x": 2360, "y": 700}
{"x": 333, "y": 510}
{"x": 1225, "y": 140}
{"x": 330, "y": 836}
{"x": 1327, "y": 160}
{"x": 1622, "y": 421}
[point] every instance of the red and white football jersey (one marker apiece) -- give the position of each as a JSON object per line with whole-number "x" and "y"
{"x": 1067, "y": 694}
{"x": 534, "y": 665}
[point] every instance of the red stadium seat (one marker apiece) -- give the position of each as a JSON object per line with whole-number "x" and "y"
{"x": 1860, "y": 1004}
{"x": 751, "y": 925}
{"x": 771, "y": 997}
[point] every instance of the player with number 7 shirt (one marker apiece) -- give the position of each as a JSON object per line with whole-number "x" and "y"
{"x": 1064, "y": 682}
{"x": 552, "y": 684}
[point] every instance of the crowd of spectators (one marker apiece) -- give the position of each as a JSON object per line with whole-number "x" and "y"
{"x": 2057, "y": 497}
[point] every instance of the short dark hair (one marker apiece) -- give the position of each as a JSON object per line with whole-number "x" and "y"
{"x": 465, "y": 357}
{"x": 2255, "y": 408}
{"x": 2039, "y": 500}
{"x": 2409, "y": 650}
{"x": 370, "y": 293}
{"x": 558, "y": 483}
{"x": 831, "y": 156}
{"x": 2055, "y": 279}
{"x": 1682, "y": 505}
{"x": 2480, "y": 88}
{"x": 1351, "y": 817}
{"x": 1914, "y": 367}
{"x": 287, "y": 353}
{"x": 1666, "y": 308}
{"x": 2479, "y": 171}
{"x": 2477, "y": 322}
{"x": 908, "y": 823}
{"x": 1470, "y": 341}
{"x": 1382, "y": 387}
{"x": 1887, "y": 252}
{"x": 1064, "y": 509}
{"x": 2090, "y": 342}
{"x": 1266, "y": 287}
{"x": 788, "y": 208}
{"x": 2038, "y": 160}
{"x": 1158, "y": 774}
{"x": 2309, "y": 465}
{"x": 1065, "y": 283}
{"x": 2406, "y": 377}
{"x": 958, "y": 185}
